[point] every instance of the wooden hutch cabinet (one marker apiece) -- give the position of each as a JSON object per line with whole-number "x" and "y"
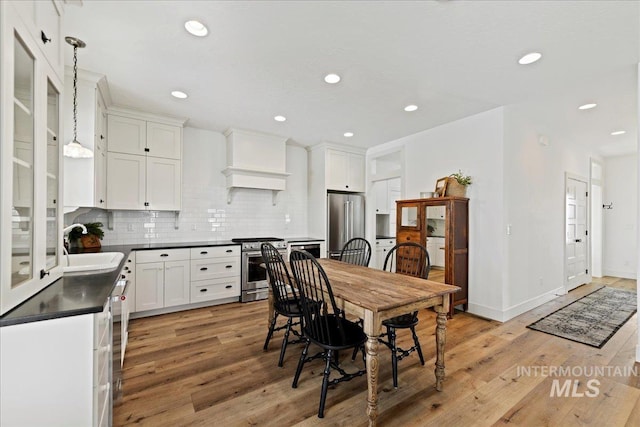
{"x": 445, "y": 222}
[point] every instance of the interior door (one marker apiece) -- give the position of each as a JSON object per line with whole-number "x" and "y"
{"x": 576, "y": 242}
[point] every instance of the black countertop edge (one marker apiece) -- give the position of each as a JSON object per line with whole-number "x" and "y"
{"x": 385, "y": 237}
{"x": 70, "y": 295}
{"x": 302, "y": 239}
{"x": 174, "y": 245}
{"x": 74, "y": 295}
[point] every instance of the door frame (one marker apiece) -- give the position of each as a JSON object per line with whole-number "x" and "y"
{"x": 567, "y": 176}
{"x": 596, "y": 228}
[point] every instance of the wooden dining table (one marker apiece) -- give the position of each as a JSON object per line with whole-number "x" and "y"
{"x": 376, "y": 295}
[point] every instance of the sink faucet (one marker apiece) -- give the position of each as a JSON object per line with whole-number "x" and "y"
{"x": 67, "y": 230}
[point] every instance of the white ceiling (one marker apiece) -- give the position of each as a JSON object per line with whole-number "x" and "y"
{"x": 452, "y": 58}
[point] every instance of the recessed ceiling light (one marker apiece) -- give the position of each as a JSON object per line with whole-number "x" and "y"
{"x": 530, "y": 58}
{"x": 196, "y": 28}
{"x": 411, "y": 107}
{"x": 348, "y": 134}
{"x": 279, "y": 118}
{"x": 587, "y": 106}
{"x": 179, "y": 94}
{"x": 332, "y": 78}
{"x": 619, "y": 132}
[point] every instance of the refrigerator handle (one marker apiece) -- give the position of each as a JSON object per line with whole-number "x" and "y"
{"x": 350, "y": 219}
{"x": 345, "y": 228}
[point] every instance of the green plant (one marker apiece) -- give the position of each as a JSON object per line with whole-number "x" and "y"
{"x": 461, "y": 178}
{"x": 93, "y": 228}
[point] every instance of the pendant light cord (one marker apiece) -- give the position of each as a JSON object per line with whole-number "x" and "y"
{"x": 75, "y": 93}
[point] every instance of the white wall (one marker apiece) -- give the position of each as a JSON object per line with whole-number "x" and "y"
{"x": 518, "y": 185}
{"x": 474, "y": 145}
{"x": 620, "y": 244}
{"x": 534, "y": 206}
{"x": 205, "y": 213}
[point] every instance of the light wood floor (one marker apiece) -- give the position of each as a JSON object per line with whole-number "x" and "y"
{"x": 206, "y": 367}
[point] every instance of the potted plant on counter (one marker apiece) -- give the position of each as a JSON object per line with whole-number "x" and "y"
{"x": 457, "y": 184}
{"x": 91, "y": 240}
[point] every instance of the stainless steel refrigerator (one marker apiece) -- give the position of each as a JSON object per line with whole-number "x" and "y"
{"x": 345, "y": 220}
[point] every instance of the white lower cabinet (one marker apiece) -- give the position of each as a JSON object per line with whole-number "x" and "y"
{"x": 149, "y": 286}
{"x": 176, "y": 283}
{"x": 57, "y": 372}
{"x": 162, "y": 278}
{"x": 178, "y": 277}
{"x": 383, "y": 246}
{"x": 214, "y": 273}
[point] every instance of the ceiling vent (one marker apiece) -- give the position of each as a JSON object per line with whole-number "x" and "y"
{"x": 255, "y": 160}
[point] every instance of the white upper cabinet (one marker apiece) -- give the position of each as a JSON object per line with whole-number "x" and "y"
{"x": 164, "y": 141}
{"x": 382, "y": 197}
{"x": 30, "y": 157}
{"x": 43, "y": 20}
{"x": 144, "y": 162}
{"x": 127, "y": 135}
{"x": 345, "y": 171}
{"x": 164, "y": 182}
{"x": 126, "y": 187}
{"x": 133, "y": 136}
{"x": 85, "y": 181}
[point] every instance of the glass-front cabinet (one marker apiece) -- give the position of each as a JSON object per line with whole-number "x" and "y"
{"x": 29, "y": 164}
{"x": 440, "y": 224}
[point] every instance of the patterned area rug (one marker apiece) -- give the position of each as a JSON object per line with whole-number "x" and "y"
{"x": 592, "y": 319}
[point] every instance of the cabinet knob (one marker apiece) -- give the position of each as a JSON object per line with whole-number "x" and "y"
{"x": 101, "y": 201}
{"x": 204, "y": 269}
{"x": 229, "y": 251}
{"x": 346, "y": 186}
{"x": 101, "y": 136}
{"x": 203, "y": 252}
{"x": 228, "y": 286}
{"x": 203, "y": 290}
{"x": 229, "y": 266}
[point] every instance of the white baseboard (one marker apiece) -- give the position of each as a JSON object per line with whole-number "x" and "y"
{"x": 534, "y": 302}
{"x": 515, "y": 310}
{"x": 486, "y": 312}
{"x": 622, "y": 274}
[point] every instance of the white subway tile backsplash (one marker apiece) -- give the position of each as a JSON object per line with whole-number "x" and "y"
{"x": 206, "y": 216}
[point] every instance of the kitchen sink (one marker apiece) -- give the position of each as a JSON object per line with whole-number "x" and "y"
{"x": 99, "y": 262}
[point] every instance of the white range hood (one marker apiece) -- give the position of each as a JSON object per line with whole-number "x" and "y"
{"x": 255, "y": 160}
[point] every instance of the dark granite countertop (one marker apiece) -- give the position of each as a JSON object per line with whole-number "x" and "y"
{"x": 385, "y": 237}
{"x": 76, "y": 294}
{"x": 302, "y": 239}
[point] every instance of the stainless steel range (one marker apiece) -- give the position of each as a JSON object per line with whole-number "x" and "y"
{"x": 255, "y": 285}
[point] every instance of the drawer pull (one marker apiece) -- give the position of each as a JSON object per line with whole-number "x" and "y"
{"x": 203, "y": 290}
{"x": 203, "y": 252}
{"x": 229, "y": 251}
{"x": 204, "y": 269}
{"x": 229, "y": 286}
{"x": 229, "y": 266}
{"x": 164, "y": 254}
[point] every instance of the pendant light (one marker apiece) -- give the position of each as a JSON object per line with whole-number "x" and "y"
{"x": 74, "y": 149}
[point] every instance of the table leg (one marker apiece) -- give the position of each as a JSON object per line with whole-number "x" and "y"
{"x": 372, "y": 379}
{"x": 441, "y": 332}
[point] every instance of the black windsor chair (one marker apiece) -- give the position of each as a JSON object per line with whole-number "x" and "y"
{"x": 324, "y": 323}
{"x": 410, "y": 259}
{"x": 285, "y": 298}
{"x": 356, "y": 251}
